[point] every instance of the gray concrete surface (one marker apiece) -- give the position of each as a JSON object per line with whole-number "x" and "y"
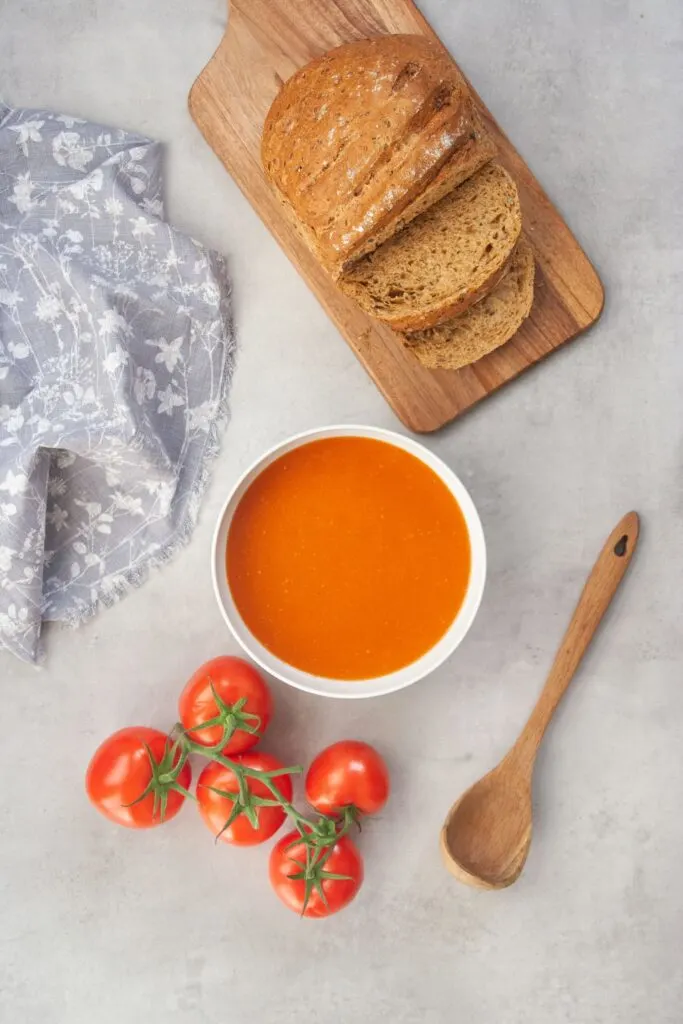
{"x": 100, "y": 926}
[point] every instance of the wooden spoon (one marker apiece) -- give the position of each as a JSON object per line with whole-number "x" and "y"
{"x": 486, "y": 836}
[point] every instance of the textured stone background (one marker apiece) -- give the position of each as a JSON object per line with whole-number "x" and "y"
{"x": 100, "y": 926}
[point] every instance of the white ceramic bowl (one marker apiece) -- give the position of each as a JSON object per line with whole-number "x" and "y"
{"x": 379, "y": 684}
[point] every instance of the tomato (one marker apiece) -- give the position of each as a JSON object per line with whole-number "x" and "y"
{"x": 348, "y": 774}
{"x": 237, "y": 683}
{"x": 286, "y": 859}
{"x": 120, "y": 771}
{"x": 216, "y": 809}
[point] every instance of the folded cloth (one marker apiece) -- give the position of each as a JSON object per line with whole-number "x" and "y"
{"x": 116, "y": 353}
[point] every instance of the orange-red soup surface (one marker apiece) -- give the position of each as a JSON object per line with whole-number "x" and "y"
{"x": 348, "y": 558}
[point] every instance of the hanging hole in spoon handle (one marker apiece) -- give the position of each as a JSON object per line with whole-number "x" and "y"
{"x": 621, "y": 546}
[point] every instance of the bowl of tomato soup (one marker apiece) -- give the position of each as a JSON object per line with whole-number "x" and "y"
{"x": 349, "y": 561}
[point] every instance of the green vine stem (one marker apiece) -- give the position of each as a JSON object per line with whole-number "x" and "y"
{"x": 320, "y": 833}
{"x": 317, "y": 835}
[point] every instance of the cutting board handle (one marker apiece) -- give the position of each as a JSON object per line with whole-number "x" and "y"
{"x": 291, "y": 20}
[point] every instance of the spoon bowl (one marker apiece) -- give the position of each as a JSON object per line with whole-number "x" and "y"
{"x": 486, "y": 836}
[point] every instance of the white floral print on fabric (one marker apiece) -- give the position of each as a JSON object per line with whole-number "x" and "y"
{"x": 116, "y": 353}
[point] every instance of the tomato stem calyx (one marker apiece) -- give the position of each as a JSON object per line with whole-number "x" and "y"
{"x": 313, "y": 874}
{"x": 164, "y": 778}
{"x": 231, "y": 717}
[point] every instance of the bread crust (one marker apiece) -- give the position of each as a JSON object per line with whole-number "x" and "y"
{"x": 366, "y": 137}
{"x": 486, "y": 326}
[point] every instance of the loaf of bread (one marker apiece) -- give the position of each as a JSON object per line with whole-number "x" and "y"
{"x": 383, "y": 166}
{"x": 444, "y": 260}
{"x": 484, "y": 326}
{"x": 367, "y": 137}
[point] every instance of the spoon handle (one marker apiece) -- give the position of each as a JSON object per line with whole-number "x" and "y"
{"x": 600, "y": 588}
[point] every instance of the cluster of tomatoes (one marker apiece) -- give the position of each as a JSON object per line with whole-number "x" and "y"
{"x": 140, "y": 777}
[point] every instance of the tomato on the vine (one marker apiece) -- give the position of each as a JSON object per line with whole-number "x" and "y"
{"x": 133, "y": 780}
{"x": 333, "y": 876}
{"x": 244, "y": 706}
{"x": 348, "y": 774}
{"x": 225, "y": 811}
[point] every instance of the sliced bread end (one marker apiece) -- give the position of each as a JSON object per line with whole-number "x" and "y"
{"x": 486, "y": 325}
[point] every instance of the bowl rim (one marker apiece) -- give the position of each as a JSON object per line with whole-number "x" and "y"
{"x": 377, "y": 685}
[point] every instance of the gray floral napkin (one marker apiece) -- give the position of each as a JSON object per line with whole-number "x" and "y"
{"x": 116, "y": 353}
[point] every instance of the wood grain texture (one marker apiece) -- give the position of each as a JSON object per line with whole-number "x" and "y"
{"x": 487, "y": 833}
{"x": 600, "y": 588}
{"x": 265, "y": 42}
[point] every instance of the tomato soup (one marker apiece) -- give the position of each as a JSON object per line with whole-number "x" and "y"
{"x": 348, "y": 558}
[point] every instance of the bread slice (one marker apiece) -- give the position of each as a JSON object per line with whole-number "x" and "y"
{"x": 366, "y": 137}
{"x": 444, "y": 260}
{"x": 484, "y": 326}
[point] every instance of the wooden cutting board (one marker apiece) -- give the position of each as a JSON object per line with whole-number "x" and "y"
{"x": 265, "y": 42}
